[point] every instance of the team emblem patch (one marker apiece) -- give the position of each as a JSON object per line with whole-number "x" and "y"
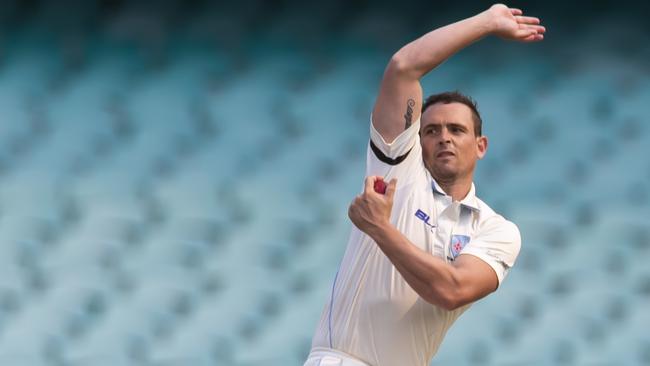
{"x": 458, "y": 242}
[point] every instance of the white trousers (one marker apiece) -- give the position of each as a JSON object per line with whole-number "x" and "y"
{"x": 320, "y": 356}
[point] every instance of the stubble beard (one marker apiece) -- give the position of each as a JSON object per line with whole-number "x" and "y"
{"x": 443, "y": 175}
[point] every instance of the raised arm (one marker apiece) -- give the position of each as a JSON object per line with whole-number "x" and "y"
{"x": 399, "y": 101}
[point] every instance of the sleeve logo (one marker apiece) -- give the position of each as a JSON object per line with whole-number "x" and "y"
{"x": 458, "y": 242}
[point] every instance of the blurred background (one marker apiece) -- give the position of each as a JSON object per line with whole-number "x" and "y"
{"x": 175, "y": 176}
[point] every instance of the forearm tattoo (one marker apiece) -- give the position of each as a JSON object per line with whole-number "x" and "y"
{"x": 408, "y": 117}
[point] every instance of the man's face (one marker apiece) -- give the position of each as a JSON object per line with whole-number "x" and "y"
{"x": 449, "y": 146}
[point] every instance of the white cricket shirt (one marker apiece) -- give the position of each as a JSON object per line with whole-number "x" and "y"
{"x": 372, "y": 313}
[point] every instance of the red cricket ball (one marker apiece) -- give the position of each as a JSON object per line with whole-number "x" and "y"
{"x": 380, "y": 186}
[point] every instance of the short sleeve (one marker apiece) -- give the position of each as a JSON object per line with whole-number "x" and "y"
{"x": 393, "y": 159}
{"x": 497, "y": 244}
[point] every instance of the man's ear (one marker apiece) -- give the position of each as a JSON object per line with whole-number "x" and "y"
{"x": 481, "y": 146}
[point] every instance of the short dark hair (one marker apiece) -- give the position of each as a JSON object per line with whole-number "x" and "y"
{"x": 456, "y": 97}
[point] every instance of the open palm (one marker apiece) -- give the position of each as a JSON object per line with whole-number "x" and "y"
{"x": 510, "y": 23}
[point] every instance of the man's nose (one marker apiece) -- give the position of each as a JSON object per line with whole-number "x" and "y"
{"x": 445, "y": 136}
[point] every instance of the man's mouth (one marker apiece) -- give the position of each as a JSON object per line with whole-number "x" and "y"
{"x": 444, "y": 154}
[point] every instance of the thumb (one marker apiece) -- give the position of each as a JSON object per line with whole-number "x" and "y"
{"x": 369, "y": 184}
{"x": 390, "y": 190}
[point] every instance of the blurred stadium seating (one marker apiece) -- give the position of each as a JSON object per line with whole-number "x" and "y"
{"x": 174, "y": 183}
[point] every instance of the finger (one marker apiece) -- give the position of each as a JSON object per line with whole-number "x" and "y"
{"x": 390, "y": 190}
{"x": 529, "y": 38}
{"x": 515, "y": 11}
{"x": 538, "y": 28}
{"x": 526, "y": 20}
{"x": 524, "y": 33}
{"x": 369, "y": 184}
{"x": 533, "y": 38}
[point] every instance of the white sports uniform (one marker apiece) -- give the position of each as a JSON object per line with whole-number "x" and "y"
{"x": 373, "y": 316}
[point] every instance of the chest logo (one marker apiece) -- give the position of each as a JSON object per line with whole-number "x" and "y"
{"x": 458, "y": 242}
{"x": 424, "y": 217}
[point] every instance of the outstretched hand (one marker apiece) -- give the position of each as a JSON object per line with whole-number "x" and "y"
{"x": 370, "y": 210}
{"x": 510, "y": 23}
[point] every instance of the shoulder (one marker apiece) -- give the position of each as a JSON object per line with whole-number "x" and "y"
{"x": 492, "y": 223}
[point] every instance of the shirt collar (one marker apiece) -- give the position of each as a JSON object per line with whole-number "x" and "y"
{"x": 470, "y": 201}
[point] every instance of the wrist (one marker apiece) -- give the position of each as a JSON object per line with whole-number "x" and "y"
{"x": 487, "y": 22}
{"x": 380, "y": 231}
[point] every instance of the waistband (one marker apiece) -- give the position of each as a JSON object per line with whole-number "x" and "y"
{"x": 328, "y": 356}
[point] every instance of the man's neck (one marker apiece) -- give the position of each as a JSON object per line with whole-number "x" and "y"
{"x": 457, "y": 188}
